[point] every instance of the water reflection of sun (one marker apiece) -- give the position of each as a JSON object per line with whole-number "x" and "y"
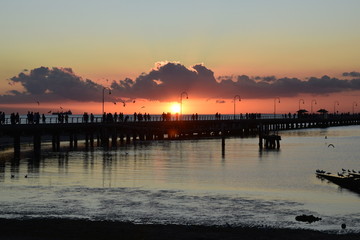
{"x": 175, "y": 108}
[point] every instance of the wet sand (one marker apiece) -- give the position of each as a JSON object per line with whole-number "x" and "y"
{"x": 39, "y": 229}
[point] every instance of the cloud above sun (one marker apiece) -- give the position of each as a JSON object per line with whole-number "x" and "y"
{"x": 165, "y": 82}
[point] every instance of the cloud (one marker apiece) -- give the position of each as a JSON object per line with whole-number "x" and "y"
{"x": 166, "y": 81}
{"x": 286, "y": 87}
{"x": 351, "y": 74}
{"x": 52, "y": 84}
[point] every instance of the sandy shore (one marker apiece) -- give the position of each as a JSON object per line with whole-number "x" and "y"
{"x": 82, "y": 229}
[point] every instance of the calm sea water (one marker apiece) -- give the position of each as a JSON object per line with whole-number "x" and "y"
{"x": 190, "y": 182}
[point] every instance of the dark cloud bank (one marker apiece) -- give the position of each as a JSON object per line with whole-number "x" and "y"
{"x": 166, "y": 81}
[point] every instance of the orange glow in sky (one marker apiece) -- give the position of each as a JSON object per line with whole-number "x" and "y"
{"x": 337, "y": 102}
{"x": 259, "y": 39}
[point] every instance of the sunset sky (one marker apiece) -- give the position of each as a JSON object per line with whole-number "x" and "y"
{"x": 63, "y": 53}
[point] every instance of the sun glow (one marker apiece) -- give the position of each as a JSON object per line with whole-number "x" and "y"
{"x": 175, "y": 107}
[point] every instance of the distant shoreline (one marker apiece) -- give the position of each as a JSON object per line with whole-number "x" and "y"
{"x": 44, "y": 228}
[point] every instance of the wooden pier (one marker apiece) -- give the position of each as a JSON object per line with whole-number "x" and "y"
{"x": 115, "y": 133}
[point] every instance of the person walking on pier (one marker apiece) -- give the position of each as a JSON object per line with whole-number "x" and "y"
{"x": 17, "y": 118}
{"x": 12, "y": 118}
{"x": 85, "y": 117}
{"x": 2, "y": 117}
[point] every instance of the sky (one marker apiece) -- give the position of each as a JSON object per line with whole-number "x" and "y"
{"x": 61, "y": 54}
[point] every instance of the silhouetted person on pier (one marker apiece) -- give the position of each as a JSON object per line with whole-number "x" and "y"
{"x": 109, "y": 118}
{"x": 43, "y": 118}
{"x": 2, "y": 117}
{"x": 140, "y": 117}
{"x": 85, "y": 117}
{"x": 17, "y": 118}
{"x": 135, "y": 116}
{"x": 217, "y": 116}
{"x": 30, "y": 117}
{"x": 37, "y": 118}
{"x": 92, "y": 117}
{"x": 12, "y": 119}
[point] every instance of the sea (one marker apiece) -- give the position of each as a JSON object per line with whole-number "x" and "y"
{"x": 189, "y": 182}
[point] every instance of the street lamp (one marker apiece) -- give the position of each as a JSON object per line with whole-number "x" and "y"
{"x": 181, "y": 97}
{"x": 236, "y": 96}
{"x": 354, "y": 105}
{"x": 312, "y": 101}
{"x": 275, "y": 105}
{"x": 336, "y": 102}
{"x": 301, "y": 100}
{"x": 103, "y": 97}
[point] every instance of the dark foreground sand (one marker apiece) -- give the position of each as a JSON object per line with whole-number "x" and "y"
{"x": 82, "y": 229}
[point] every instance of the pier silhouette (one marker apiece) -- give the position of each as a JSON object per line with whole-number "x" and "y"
{"x": 103, "y": 133}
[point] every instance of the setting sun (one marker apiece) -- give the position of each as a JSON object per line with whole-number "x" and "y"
{"x": 175, "y": 107}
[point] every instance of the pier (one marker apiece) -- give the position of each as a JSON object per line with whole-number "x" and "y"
{"x": 115, "y": 133}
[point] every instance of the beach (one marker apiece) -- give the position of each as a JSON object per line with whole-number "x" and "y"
{"x": 43, "y": 228}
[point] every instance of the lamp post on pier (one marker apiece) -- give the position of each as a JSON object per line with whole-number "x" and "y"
{"x": 335, "y": 103}
{"x": 353, "y": 106}
{"x": 312, "y": 101}
{"x": 103, "y": 98}
{"x": 236, "y": 97}
{"x": 275, "y": 105}
{"x": 181, "y": 98}
{"x": 301, "y": 100}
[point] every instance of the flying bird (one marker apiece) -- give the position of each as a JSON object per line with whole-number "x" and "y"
{"x": 134, "y": 101}
{"x": 49, "y": 111}
{"x": 143, "y": 107}
{"x": 38, "y": 102}
{"x": 331, "y": 145}
{"x": 124, "y": 104}
{"x": 114, "y": 103}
